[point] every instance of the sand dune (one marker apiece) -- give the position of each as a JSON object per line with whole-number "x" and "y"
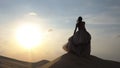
{"x": 72, "y": 61}
{"x": 6, "y": 62}
{"x": 65, "y": 61}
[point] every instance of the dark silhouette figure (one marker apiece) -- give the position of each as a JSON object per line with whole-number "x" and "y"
{"x": 80, "y": 43}
{"x": 79, "y": 21}
{"x": 78, "y": 56}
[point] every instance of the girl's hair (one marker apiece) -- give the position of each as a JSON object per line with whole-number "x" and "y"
{"x": 79, "y": 18}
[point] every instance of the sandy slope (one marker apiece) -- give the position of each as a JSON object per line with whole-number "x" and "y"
{"x": 72, "y": 61}
{"x": 6, "y": 62}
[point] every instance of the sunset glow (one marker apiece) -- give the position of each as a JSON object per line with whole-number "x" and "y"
{"x": 28, "y": 35}
{"x": 34, "y": 30}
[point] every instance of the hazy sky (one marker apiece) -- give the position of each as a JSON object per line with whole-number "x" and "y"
{"x": 57, "y": 19}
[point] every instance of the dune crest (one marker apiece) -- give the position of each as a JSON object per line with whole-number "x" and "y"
{"x": 72, "y": 61}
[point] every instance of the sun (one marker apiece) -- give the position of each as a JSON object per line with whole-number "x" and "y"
{"x": 29, "y": 35}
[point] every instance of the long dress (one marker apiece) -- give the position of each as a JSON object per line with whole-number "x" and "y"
{"x": 79, "y": 43}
